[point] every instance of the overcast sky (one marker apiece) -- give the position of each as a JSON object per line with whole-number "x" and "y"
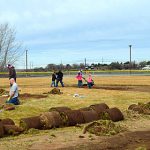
{"x": 68, "y": 31}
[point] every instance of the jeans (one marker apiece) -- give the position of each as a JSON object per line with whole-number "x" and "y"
{"x": 79, "y": 83}
{"x": 89, "y": 85}
{"x": 53, "y": 83}
{"x": 59, "y": 80}
{"x": 14, "y": 101}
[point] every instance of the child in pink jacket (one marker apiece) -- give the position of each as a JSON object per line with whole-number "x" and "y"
{"x": 79, "y": 78}
{"x": 89, "y": 81}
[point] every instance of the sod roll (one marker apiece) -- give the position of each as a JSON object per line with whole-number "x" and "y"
{"x": 1, "y": 130}
{"x": 73, "y": 117}
{"x": 99, "y": 108}
{"x": 59, "y": 109}
{"x": 132, "y": 106}
{"x": 115, "y": 114}
{"x": 7, "y": 121}
{"x": 138, "y": 109}
{"x": 12, "y": 130}
{"x": 50, "y": 120}
{"x": 85, "y": 109}
{"x": 90, "y": 116}
{"x": 31, "y": 122}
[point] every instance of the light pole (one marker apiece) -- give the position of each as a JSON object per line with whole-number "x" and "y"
{"x": 130, "y": 58}
{"x": 26, "y": 61}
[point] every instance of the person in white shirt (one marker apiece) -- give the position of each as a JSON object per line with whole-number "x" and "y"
{"x": 13, "y": 94}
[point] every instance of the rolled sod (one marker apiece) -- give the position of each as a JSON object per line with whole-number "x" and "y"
{"x": 7, "y": 121}
{"x": 99, "y": 108}
{"x": 1, "y": 130}
{"x": 31, "y": 122}
{"x": 132, "y": 106}
{"x": 72, "y": 117}
{"x": 85, "y": 109}
{"x": 51, "y": 120}
{"x": 138, "y": 109}
{"x": 12, "y": 130}
{"x": 90, "y": 116}
{"x": 59, "y": 109}
{"x": 115, "y": 114}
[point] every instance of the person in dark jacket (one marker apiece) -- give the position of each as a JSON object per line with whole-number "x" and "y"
{"x": 12, "y": 71}
{"x": 59, "y": 78}
{"x": 53, "y": 79}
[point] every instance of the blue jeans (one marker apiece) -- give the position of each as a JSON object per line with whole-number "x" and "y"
{"x": 14, "y": 101}
{"x": 89, "y": 85}
{"x": 53, "y": 83}
{"x": 59, "y": 80}
{"x": 79, "y": 83}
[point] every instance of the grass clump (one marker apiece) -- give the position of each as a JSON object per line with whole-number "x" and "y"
{"x": 103, "y": 127}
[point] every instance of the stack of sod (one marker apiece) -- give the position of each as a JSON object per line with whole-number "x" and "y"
{"x": 1, "y": 129}
{"x": 114, "y": 114}
{"x": 90, "y": 116}
{"x": 100, "y": 109}
{"x": 31, "y": 122}
{"x": 59, "y": 109}
{"x": 51, "y": 120}
{"x": 72, "y": 117}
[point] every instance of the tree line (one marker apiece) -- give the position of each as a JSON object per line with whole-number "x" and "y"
{"x": 94, "y": 66}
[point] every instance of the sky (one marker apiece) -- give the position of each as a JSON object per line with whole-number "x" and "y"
{"x": 68, "y": 31}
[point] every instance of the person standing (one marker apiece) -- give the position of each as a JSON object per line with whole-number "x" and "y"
{"x": 12, "y": 72}
{"x": 79, "y": 78}
{"x": 53, "y": 79}
{"x": 13, "y": 93}
{"x": 59, "y": 78}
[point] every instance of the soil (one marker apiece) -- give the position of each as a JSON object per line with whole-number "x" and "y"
{"x": 136, "y": 136}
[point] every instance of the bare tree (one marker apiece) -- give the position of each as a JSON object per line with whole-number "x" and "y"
{"x": 10, "y": 49}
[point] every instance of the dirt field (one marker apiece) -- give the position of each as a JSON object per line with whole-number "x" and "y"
{"x": 115, "y": 91}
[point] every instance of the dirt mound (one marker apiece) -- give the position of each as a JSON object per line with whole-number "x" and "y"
{"x": 27, "y": 95}
{"x": 50, "y": 120}
{"x": 2, "y": 91}
{"x": 102, "y": 127}
{"x": 8, "y": 107}
{"x": 31, "y": 122}
{"x": 55, "y": 91}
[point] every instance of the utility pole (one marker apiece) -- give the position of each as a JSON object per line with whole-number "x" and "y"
{"x": 26, "y": 61}
{"x": 85, "y": 62}
{"x": 130, "y": 58}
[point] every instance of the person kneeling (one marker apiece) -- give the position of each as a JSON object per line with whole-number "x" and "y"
{"x": 13, "y": 94}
